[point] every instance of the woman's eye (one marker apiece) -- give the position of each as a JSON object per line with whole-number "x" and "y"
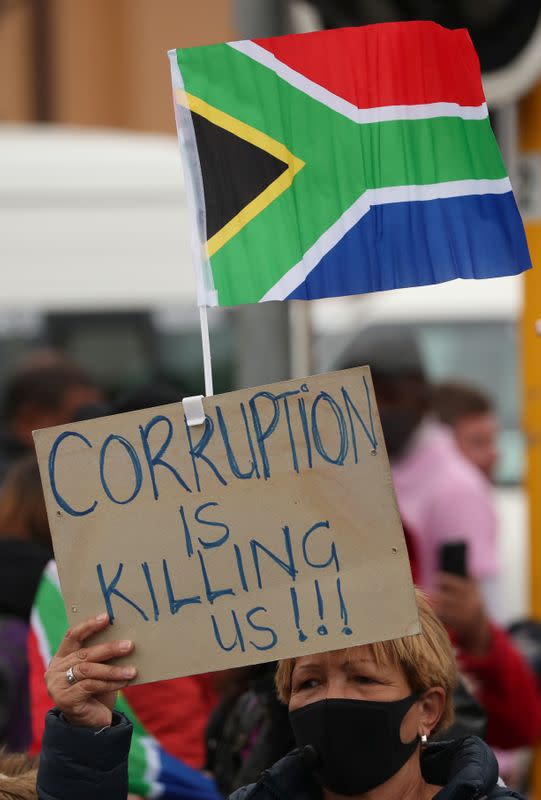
{"x": 364, "y": 679}
{"x": 309, "y": 683}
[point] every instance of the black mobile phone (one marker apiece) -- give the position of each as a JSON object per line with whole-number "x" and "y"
{"x": 453, "y": 558}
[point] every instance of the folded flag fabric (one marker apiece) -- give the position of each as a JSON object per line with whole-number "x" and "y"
{"x": 342, "y": 162}
{"x": 152, "y": 771}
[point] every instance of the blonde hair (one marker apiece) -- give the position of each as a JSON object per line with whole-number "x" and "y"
{"x": 426, "y": 659}
{"x": 18, "y": 775}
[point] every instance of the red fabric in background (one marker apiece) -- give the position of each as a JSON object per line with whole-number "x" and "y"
{"x": 40, "y": 702}
{"x": 442, "y": 65}
{"x": 175, "y": 712}
{"x": 508, "y": 690}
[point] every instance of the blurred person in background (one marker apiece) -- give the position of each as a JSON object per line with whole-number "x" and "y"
{"x": 147, "y": 395}
{"x": 441, "y": 495}
{"x": 43, "y": 392}
{"x": 25, "y": 538}
{"x": 175, "y": 712}
{"x": 25, "y": 549}
{"x": 443, "y": 498}
{"x": 249, "y": 730}
{"x": 471, "y": 416}
{"x": 493, "y": 668}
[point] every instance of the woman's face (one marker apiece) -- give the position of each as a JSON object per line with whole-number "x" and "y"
{"x": 353, "y": 675}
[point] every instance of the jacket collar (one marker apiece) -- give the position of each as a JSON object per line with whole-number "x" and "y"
{"x": 466, "y": 768}
{"x": 291, "y": 778}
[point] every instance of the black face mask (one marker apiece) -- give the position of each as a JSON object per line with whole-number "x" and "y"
{"x": 398, "y": 427}
{"x": 357, "y": 742}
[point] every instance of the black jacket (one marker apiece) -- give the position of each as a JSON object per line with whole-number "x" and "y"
{"x": 80, "y": 763}
{"x": 466, "y": 768}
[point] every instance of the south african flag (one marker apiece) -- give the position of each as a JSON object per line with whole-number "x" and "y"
{"x": 152, "y": 771}
{"x": 342, "y": 162}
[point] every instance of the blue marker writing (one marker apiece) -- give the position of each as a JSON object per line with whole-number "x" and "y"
{"x": 333, "y": 555}
{"x": 263, "y": 435}
{"x": 64, "y": 505}
{"x": 175, "y": 603}
{"x": 352, "y": 409}
{"x": 157, "y": 459}
{"x": 296, "y": 614}
{"x": 340, "y": 457}
{"x": 322, "y": 629}
{"x": 289, "y": 565}
{"x": 152, "y": 593}
{"x": 343, "y": 610}
{"x": 136, "y": 466}
{"x": 197, "y": 452}
{"x": 261, "y": 628}
{"x": 238, "y": 641}
{"x": 110, "y": 589}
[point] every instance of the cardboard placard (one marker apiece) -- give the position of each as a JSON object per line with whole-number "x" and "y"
{"x": 270, "y": 531}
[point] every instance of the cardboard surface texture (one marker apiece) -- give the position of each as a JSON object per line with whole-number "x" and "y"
{"x": 270, "y": 531}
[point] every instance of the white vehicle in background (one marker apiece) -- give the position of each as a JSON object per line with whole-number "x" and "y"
{"x": 95, "y": 259}
{"x": 466, "y": 330}
{"x": 95, "y": 256}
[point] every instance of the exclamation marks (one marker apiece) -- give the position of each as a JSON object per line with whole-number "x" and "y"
{"x": 322, "y": 629}
{"x": 296, "y": 614}
{"x": 343, "y": 610}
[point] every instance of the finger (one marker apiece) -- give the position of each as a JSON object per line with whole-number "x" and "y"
{"x": 102, "y": 652}
{"x": 443, "y": 612}
{"x": 450, "y": 581}
{"x": 79, "y": 633}
{"x": 91, "y": 687}
{"x": 447, "y": 595}
{"x": 103, "y": 672}
{"x": 450, "y": 594}
{"x": 443, "y": 604}
{"x": 443, "y": 594}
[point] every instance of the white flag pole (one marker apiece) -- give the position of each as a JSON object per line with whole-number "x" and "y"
{"x": 205, "y": 341}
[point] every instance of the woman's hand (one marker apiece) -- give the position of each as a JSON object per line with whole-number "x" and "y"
{"x": 89, "y": 700}
{"x": 459, "y": 605}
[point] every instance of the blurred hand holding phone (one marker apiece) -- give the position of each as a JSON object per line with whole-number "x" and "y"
{"x": 458, "y": 601}
{"x": 453, "y": 558}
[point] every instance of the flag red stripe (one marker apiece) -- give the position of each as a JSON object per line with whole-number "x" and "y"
{"x": 415, "y": 62}
{"x": 40, "y": 702}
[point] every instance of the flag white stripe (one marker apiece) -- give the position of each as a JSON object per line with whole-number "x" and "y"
{"x": 375, "y": 197}
{"x": 41, "y": 637}
{"x": 347, "y": 109}
{"x": 51, "y": 570}
{"x": 50, "y": 573}
{"x": 156, "y": 789}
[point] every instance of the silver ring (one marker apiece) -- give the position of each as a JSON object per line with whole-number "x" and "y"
{"x": 70, "y": 677}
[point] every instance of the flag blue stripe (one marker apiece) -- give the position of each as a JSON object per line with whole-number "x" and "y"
{"x": 181, "y": 782}
{"x": 417, "y": 243}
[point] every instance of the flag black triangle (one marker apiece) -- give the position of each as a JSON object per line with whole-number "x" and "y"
{"x": 234, "y": 171}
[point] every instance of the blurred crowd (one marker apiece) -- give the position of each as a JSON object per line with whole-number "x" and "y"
{"x": 442, "y": 442}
